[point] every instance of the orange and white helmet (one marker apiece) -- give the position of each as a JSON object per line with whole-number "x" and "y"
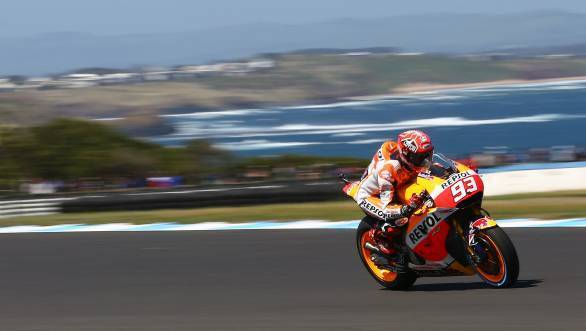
{"x": 415, "y": 150}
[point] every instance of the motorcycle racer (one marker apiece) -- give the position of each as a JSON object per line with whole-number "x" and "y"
{"x": 393, "y": 165}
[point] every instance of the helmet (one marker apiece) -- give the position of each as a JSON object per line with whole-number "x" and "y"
{"x": 415, "y": 150}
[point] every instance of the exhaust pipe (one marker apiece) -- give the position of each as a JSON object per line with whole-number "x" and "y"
{"x": 372, "y": 248}
{"x": 379, "y": 258}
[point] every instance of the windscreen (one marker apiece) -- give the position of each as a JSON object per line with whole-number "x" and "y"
{"x": 442, "y": 166}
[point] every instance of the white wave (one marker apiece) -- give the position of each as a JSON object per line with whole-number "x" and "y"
{"x": 365, "y": 141}
{"x": 437, "y": 95}
{"x": 413, "y": 104}
{"x": 200, "y": 129}
{"x": 538, "y": 86}
{"x": 342, "y": 104}
{"x": 350, "y": 134}
{"x": 547, "y": 84}
{"x": 569, "y": 84}
{"x": 231, "y": 122}
{"x": 422, "y": 123}
{"x": 310, "y": 129}
{"x": 109, "y": 119}
{"x": 568, "y": 87}
{"x": 262, "y": 144}
{"x": 222, "y": 113}
{"x": 425, "y": 96}
{"x": 340, "y": 130}
{"x": 247, "y": 145}
{"x": 276, "y": 110}
{"x": 512, "y": 89}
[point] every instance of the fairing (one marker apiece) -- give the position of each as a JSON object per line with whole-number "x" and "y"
{"x": 453, "y": 189}
{"x": 428, "y": 229}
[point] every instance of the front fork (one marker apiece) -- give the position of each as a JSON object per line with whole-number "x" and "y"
{"x": 475, "y": 251}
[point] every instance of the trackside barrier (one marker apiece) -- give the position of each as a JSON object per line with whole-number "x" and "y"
{"x": 31, "y": 207}
{"x": 533, "y": 181}
{"x": 501, "y": 183}
{"x": 221, "y": 197}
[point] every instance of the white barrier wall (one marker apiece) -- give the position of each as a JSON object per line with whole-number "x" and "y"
{"x": 31, "y": 207}
{"x": 528, "y": 181}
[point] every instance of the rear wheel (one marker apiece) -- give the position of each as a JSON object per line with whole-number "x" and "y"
{"x": 498, "y": 263}
{"x": 389, "y": 279}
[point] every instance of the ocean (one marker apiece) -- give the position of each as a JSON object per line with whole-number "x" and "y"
{"x": 513, "y": 117}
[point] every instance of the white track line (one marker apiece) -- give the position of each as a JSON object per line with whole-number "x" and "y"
{"x": 219, "y": 226}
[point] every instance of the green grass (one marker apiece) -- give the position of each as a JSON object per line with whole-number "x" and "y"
{"x": 337, "y": 210}
{"x": 554, "y": 205}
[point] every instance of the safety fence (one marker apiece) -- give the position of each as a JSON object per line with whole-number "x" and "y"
{"x": 498, "y": 183}
{"x": 197, "y": 198}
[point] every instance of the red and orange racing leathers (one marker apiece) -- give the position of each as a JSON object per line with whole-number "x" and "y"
{"x": 380, "y": 181}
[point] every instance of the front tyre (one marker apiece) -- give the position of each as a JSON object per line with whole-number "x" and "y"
{"x": 389, "y": 279}
{"x": 499, "y": 264}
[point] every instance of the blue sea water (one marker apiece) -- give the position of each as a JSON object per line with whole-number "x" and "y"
{"x": 462, "y": 121}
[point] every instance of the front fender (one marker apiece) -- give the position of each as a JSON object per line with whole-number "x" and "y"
{"x": 485, "y": 222}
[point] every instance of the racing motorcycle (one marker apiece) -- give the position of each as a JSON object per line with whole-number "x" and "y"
{"x": 450, "y": 235}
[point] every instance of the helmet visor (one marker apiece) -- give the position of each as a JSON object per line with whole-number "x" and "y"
{"x": 421, "y": 160}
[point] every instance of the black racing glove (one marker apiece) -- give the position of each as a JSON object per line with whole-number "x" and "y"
{"x": 407, "y": 210}
{"x": 397, "y": 219}
{"x": 414, "y": 203}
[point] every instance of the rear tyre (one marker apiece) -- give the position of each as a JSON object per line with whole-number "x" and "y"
{"x": 389, "y": 279}
{"x": 500, "y": 266}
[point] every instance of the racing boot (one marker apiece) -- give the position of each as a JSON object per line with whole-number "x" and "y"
{"x": 384, "y": 252}
{"x": 382, "y": 240}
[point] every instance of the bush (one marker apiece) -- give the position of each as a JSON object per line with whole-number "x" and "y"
{"x": 68, "y": 149}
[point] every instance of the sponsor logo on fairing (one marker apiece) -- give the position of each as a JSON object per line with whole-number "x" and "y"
{"x": 424, "y": 227}
{"x": 454, "y": 178}
{"x": 480, "y": 223}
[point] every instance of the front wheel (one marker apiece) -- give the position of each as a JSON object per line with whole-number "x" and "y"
{"x": 498, "y": 264}
{"x": 389, "y": 279}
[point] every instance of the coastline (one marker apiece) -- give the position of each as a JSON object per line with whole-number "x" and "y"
{"x": 125, "y": 118}
{"x": 432, "y": 88}
{"x": 405, "y": 91}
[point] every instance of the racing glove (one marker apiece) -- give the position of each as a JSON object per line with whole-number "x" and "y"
{"x": 414, "y": 203}
{"x": 401, "y": 218}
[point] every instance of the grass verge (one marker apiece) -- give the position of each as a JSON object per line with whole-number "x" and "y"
{"x": 567, "y": 204}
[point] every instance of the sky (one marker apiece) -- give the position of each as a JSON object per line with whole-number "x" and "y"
{"x": 20, "y": 18}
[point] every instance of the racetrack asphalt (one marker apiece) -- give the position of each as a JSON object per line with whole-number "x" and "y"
{"x": 271, "y": 280}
